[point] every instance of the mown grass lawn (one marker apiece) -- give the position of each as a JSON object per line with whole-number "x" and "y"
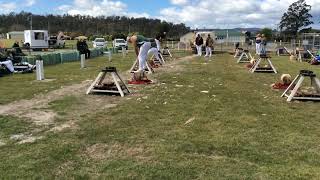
{"x": 238, "y": 128}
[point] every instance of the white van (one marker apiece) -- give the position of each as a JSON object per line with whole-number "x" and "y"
{"x": 36, "y": 39}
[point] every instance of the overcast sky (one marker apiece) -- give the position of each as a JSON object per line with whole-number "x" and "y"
{"x": 194, "y": 13}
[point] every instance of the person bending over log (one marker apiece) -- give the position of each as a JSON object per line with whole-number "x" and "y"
{"x": 157, "y": 50}
{"x": 141, "y": 46}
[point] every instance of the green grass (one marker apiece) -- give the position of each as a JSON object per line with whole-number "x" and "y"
{"x": 10, "y": 125}
{"x": 24, "y": 86}
{"x": 241, "y": 129}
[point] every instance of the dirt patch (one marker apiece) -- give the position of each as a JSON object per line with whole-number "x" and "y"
{"x": 175, "y": 66}
{"x": 30, "y": 108}
{"x": 24, "y": 138}
{"x": 104, "y": 152}
{"x": 61, "y": 127}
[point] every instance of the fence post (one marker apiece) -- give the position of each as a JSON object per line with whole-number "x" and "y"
{"x": 123, "y": 50}
{"x": 83, "y": 61}
{"x": 39, "y": 70}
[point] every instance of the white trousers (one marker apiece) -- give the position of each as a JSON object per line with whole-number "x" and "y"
{"x": 155, "y": 52}
{"x": 208, "y": 51}
{"x": 258, "y": 48}
{"x": 9, "y": 65}
{"x": 143, "y": 54}
{"x": 199, "y": 50}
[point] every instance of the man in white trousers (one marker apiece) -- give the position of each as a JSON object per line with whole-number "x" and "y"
{"x": 156, "y": 50}
{"x": 258, "y": 44}
{"x": 141, "y": 45}
{"x": 209, "y": 46}
{"x": 199, "y": 43}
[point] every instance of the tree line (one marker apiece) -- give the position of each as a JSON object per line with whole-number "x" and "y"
{"x": 90, "y": 26}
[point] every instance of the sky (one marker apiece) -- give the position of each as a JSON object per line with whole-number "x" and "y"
{"x": 194, "y": 13}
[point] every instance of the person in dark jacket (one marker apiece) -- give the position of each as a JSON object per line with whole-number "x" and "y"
{"x": 209, "y": 46}
{"x": 199, "y": 43}
{"x": 83, "y": 48}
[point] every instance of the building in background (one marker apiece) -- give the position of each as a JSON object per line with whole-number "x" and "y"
{"x": 187, "y": 38}
{"x": 311, "y": 41}
{"x": 190, "y": 37}
{"x": 229, "y": 36}
{"x": 16, "y": 35}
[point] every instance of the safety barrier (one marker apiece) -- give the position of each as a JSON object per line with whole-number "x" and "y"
{"x": 60, "y": 57}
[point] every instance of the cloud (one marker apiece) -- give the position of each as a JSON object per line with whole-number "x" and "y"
{"x": 230, "y": 13}
{"x": 30, "y": 3}
{"x": 7, "y": 7}
{"x": 99, "y": 8}
{"x": 179, "y": 2}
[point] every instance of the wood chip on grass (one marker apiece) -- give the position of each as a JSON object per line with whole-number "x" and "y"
{"x": 189, "y": 121}
{"x": 206, "y": 92}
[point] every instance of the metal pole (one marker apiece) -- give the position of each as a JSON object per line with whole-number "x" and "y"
{"x": 314, "y": 39}
{"x": 31, "y": 22}
{"x": 109, "y": 55}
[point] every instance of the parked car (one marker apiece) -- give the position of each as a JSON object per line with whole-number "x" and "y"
{"x": 119, "y": 43}
{"x": 99, "y": 43}
{"x": 56, "y": 42}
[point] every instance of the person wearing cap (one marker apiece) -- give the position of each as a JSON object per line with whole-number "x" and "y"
{"x": 209, "y": 46}
{"x": 141, "y": 46}
{"x": 83, "y": 48}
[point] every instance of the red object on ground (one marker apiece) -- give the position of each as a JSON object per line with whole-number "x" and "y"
{"x": 140, "y": 82}
{"x": 249, "y": 66}
{"x": 281, "y": 86}
{"x": 155, "y": 66}
{"x": 314, "y": 62}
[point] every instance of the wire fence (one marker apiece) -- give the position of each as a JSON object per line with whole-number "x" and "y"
{"x": 230, "y": 46}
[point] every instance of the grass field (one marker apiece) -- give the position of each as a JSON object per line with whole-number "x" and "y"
{"x": 197, "y": 121}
